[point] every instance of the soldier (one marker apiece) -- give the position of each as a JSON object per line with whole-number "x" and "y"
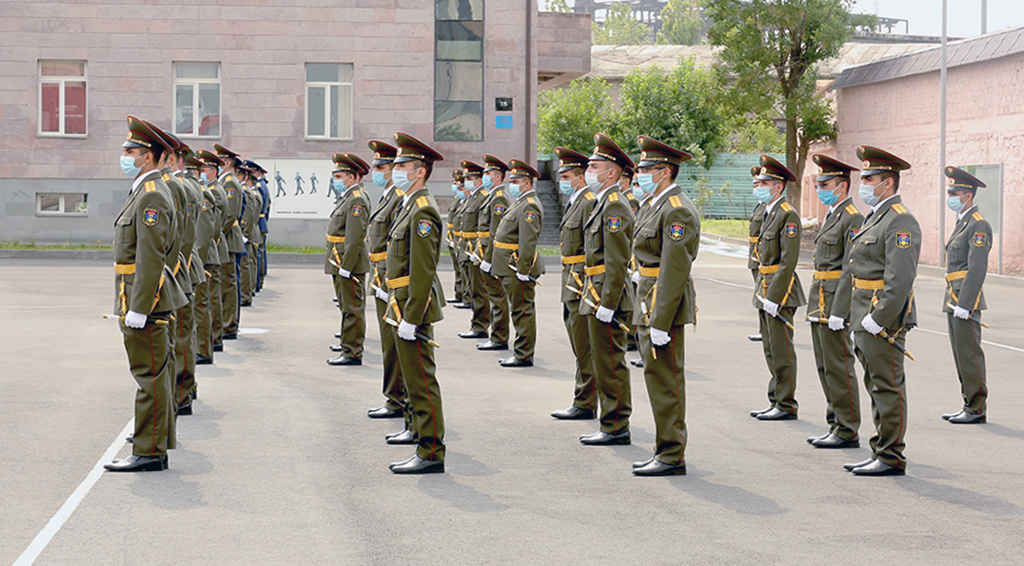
{"x": 883, "y": 264}
{"x": 416, "y": 300}
{"x": 379, "y": 224}
{"x": 233, "y": 236}
{"x": 515, "y": 259}
{"x": 261, "y": 183}
{"x": 572, "y": 183}
{"x": 967, "y": 264}
{"x": 607, "y": 295}
{"x": 833, "y": 342}
{"x": 626, "y": 189}
{"x": 346, "y": 259}
{"x": 665, "y": 245}
{"x": 778, "y": 292}
{"x": 469, "y": 259}
{"x": 487, "y": 223}
{"x": 146, "y": 295}
{"x": 453, "y": 236}
{"x": 206, "y": 255}
{"x": 218, "y": 199}
{"x": 756, "y": 218}
{"x": 251, "y": 233}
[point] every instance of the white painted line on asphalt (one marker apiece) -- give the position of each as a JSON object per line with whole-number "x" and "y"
{"x": 64, "y": 513}
{"x": 985, "y": 342}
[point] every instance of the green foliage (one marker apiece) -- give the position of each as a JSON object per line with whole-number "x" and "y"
{"x": 559, "y": 6}
{"x": 681, "y": 23}
{"x": 569, "y": 117}
{"x": 756, "y": 135}
{"x": 619, "y": 27}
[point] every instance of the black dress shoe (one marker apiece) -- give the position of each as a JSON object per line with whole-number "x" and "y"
{"x": 185, "y": 409}
{"x": 834, "y": 441}
{"x": 195, "y": 392}
{"x": 488, "y": 345}
{"x": 643, "y": 463}
{"x": 404, "y": 437}
{"x": 403, "y": 462}
{"x": 135, "y": 463}
{"x": 343, "y": 361}
{"x": 335, "y": 299}
{"x": 515, "y": 362}
{"x": 249, "y": 304}
{"x": 658, "y": 468}
{"x": 776, "y": 414}
{"x": 574, "y": 413}
{"x": 968, "y": 418}
{"x": 878, "y": 468}
{"x": 337, "y": 335}
{"x": 754, "y": 337}
{"x": 218, "y": 347}
{"x": 811, "y": 439}
{"x": 230, "y": 336}
{"x": 452, "y": 301}
{"x": 601, "y": 438}
{"x": 948, "y": 416}
{"x": 419, "y": 466}
{"x": 472, "y": 334}
{"x": 462, "y": 306}
{"x": 130, "y": 439}
{"x": 761, "y": 412}
{"x": 631, "y": 347}
{"x": 637, "y": 363}
{"x": 337, "y": 348}
{"x": 855, "y": 465}
{"x": 384, "y": 413}
{"x": 203, "y": 361}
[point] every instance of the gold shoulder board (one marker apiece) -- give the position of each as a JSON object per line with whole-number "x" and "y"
{"x": 786, "y": 206}
{"x": 227, "y": 179}
{"x": 497, "y": 194}
{"x": 484, "y": 191}
{"x": 899, "y": 208}
{"x": 422, "y": 201}
{"x": 977, "y": 216}
{"x": 589, "y": 196}
{"x": 675, "y": 202}
{"x": 629, "y": 196}
{"x": 355, "y": 193}
{"x": 166, "y": 177}
{"x": 400, "y": 192}
{"x": 614, "y": 197}
{"x": 150, "y": 186}
{"x": 529, "y": 200}
{"x": 850, "y": 209}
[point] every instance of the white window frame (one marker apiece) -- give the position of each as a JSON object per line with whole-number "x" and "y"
{"x": 60, "y": 81}
{"x": 327, "y": 104}
{"x": 175, "y": 81}
{"x": 60, "y": 207}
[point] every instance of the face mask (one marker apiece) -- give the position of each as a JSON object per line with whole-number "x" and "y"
{"x": 593, "y": 181}
{"x": 460, "y": 195}
{"x": 646, "y": 181}
{"x": 401, "y": 180}
{"x": 763, "y": 193}
{"x": 488, "y": 182}
{"x": 513, "y": 190}
{"x": 339, "y": 185}
{"x": 638, "y": 193}
{"x": 867, "y": 194}
{"x": 378, "y": 179}
{"x": 566, "y": 187}
{"x": 955, "y": 203}
{"x": 827, "y": 197}
{"x": 455, "y": 189}
{"x": 128, "y": 166}
{"x": 204, "y": 178}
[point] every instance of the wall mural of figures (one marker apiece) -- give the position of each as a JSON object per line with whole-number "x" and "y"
{"x": 299, "y": 183}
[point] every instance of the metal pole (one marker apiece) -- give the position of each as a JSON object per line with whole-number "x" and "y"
{"x": 942, "y": 144}
{"x": 984, "y": 17}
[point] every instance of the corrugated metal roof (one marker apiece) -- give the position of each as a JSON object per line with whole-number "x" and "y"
{"x": 958, "y": 53}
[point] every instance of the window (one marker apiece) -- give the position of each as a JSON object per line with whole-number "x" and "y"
{"x": 329, "y": 101}
{"x": 459, "y": 70}
{"x": 62, "y": 98}
{"x": 197, "y": 99}
{"x": 62, "y": 204}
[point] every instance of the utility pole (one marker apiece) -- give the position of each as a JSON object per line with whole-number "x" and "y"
{"x": 942, "y": 143}
{"x": 984, "y": 17}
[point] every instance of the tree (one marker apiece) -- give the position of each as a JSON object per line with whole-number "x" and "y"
{"x": 569, "y": 117}
{"x": 559, "y": 6}
{"x": 620, "y": 27}
{"x": 681, "y": 23}
{"x": 770, "y": 48}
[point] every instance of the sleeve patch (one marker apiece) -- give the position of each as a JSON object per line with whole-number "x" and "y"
{"x": 357, "y": 210}
{"x": 903, "y": 240}
{"x": 676, "y": 232}
{"x": 530, "y": 216}
{"x": 150, "y": 217}
{"x": 852, "y": 210}
{"x": 980, "y": 239}
{"x": 424, "y": 228}
{"x": 977, "y": 216}
{"x": 899, "y": 208}
{"x": 786, "y": 206}
{"x": 853, "y": 233}
{"x": 230, "y": 191}
{"x": 791, "y": 229}
{"x": 499, "y": 209}
{"x": 614, "y": 224}
{"x": 675, "y": 202}
{"x": 422, "y": 202}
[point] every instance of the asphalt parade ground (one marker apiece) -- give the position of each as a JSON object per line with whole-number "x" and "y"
{"x": 280, "y": 465}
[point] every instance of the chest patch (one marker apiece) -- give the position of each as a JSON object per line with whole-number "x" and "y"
{"x": 614, "y": 224}
{"x": 790, "y": 230}
{"x": 980, "y": 239}
{"x": 150, "y": 217}
{"x": 499, "y": 209}
{"x": 424, "y": 228}
{"x": 853, "y": 233}
{"x": 530, "y": 216}
{"x": 676, "y": 232}
{"x": 357, "y": 210}
{"x": 903, "y": 240}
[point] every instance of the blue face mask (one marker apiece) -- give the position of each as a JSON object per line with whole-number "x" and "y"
{"x": 566, "y": 187}
{"x": 460, "y": 195}
{"x": 646, "y": 181}
{"x": 378, "y": 179}
{"x": 488, "y": 182}
{"x": 128, "y": 166}
{"x": 867, "y": 194}
{"x": 204, "y": 178}
{"x": 401, "y": 180}
{"x": 455, "y": 189}
{"x": 827, "y": 197}
{"x": 763, "y": 193}
{"x": 514, "y": 190}
{"x": 339, "y": 185}
{"x": 955, "y": 203}
{"x": 638, "y": 193}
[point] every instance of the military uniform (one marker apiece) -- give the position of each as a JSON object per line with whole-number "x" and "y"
{"x": 218, "y": 281}
{"x": 233, "y": 237}
{"x": 488, "y": 219}
{"x": 883, "y": 264}
{"x": 453, "y": 235}
{"x": 778, "y": 251}
{"x": 606, "y": 241}
{"x": 468, "y": 258}
{"x": 207, "y": 223}
{"x": 515, "y": 258}
{"x": 415, "y": 297}
{"x": 966, "y": 266}
{"x": 665, "y": 244}
{"x": 347, "y": 262}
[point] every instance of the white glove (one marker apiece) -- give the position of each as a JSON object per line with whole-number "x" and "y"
{"x": 771, "y": 308}
{"x": 407, "y": 331}
{"x": 660, "y": 337}
{"x": 870, "y": 325}
{"x": 345, "y": 274}
{"x": 485, "y": 266}
{"x": 381, "y": 294}
{"x": 635, "y": 278}
{"x": 135, "y": 320}
{"x": 473, "y": 257}
{"x": 604, "y": 314}
{"x": 526, "y": 278}
{"x": 961, "y": 313}
{"x": 836, "y": 323}
{"x": 245, "y": 240}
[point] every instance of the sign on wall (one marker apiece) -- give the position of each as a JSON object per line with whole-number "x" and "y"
{"x": 299, "y": 188}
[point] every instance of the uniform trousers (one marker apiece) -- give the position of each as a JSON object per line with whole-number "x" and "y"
{"x": 351, "y": 294}
{"x": 521, "y": 296}
{"x": 185, "y": 350}
{"x": 499, "y": 309}
{"x": 666, "y": 388}
{"x": 419, "y": 373}
{"x": 585, "y": 390}
{"x": 152, "y": 365}
{"x": 885, "y": 381}
{"x": 608, "y": 347}
{"x": 969, "y": 358}
{"x": 780, "y": 355}
{"x": 837, "y": 371}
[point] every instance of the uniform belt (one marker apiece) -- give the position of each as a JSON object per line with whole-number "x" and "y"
{"x": 177, "y": 266}
{"x": 263, "y": 216}
{"x": 768, "y": 268}
{"x": 592, "y": 271}
{"x": 504, "y": 246}
{"x": 450, "y": 225}
{"x": 483, "y": 234}
{"x": 457, "y": 234}
{"x": 124, "y": 268}
{"x": 955, "y": 276}
{"x": 469, "y": 234}
{"x": 573, "y": 259}
{"x": 753, "y": 239}
{"x": 871, "y": 284}
{"x": 380, "y": 256}
{"x": 398, "y": 282}
{"x": 336, "y": 239}
{"x": 649, "y": 271}
{"x": 828, "y": 275}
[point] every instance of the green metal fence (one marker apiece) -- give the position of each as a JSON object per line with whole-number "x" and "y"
{"x": 727, "y": 191}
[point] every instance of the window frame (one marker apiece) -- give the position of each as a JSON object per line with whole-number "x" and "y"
{"x": 60, "y": 207}
{"x": 60, "y": 81}
{"x": 328, "y": 108}
{"x": 175, "y": 81}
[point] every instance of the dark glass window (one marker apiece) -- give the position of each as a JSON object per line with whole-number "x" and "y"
{"x": 458, "y": 70}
